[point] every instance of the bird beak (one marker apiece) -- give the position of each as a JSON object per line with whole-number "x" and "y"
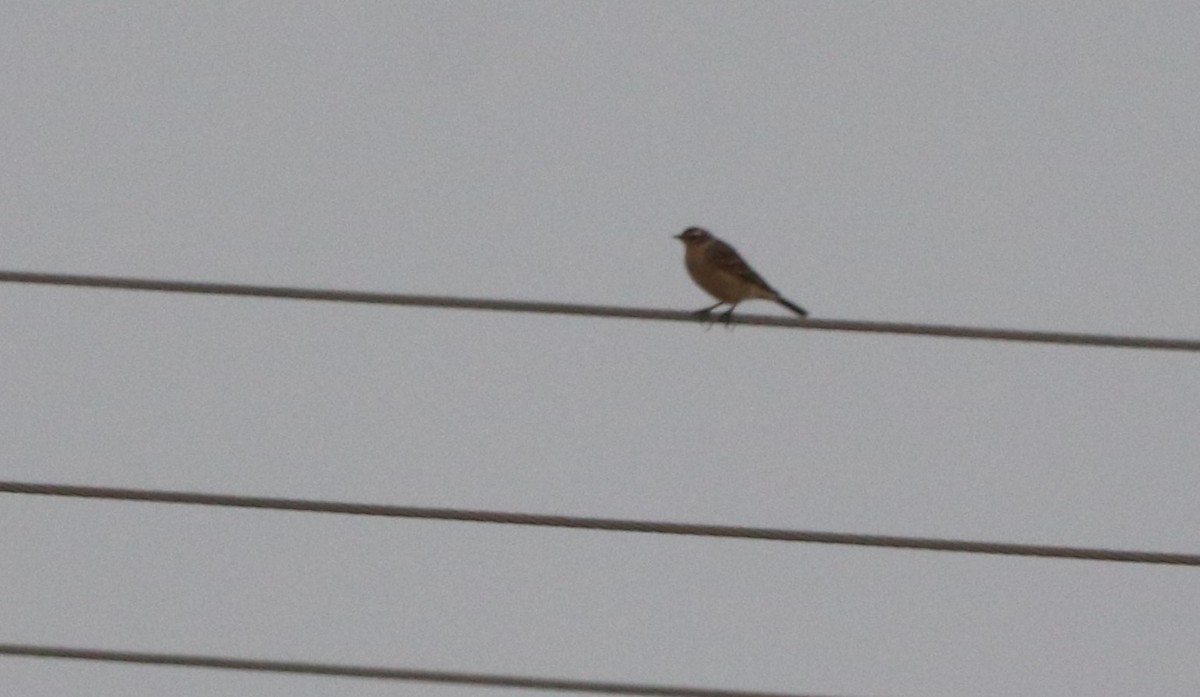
{"x": 678, "y": 237}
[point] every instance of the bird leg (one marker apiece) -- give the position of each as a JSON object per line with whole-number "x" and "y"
{"x": 706, "y": 313}
{"x": 727, "y": 317}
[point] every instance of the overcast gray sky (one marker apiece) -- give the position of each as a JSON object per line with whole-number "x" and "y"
{"x": 1026, "y": 165}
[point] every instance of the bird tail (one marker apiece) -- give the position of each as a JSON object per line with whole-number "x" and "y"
{"x": 791, "y": 306}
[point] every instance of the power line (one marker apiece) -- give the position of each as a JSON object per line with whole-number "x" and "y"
{"x": 377, "y": 673}
{"x": 447, "y": 302}
{"x": 608, "y": 524}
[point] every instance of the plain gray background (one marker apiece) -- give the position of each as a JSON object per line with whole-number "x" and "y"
{"x": 1024, "y": 165}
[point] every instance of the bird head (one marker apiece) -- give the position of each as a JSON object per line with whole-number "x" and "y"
{"x": 693, "y": 235}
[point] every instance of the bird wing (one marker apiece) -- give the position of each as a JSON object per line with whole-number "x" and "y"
{"x": 726, "y": 258}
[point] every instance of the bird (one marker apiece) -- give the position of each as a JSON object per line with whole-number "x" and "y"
{"x": 717, "y": 268}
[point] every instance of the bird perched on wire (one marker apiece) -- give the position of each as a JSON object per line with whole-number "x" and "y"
{"x": 722, "y": 273}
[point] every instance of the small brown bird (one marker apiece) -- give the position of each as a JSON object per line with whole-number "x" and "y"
{"x": 722, "y": 273}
